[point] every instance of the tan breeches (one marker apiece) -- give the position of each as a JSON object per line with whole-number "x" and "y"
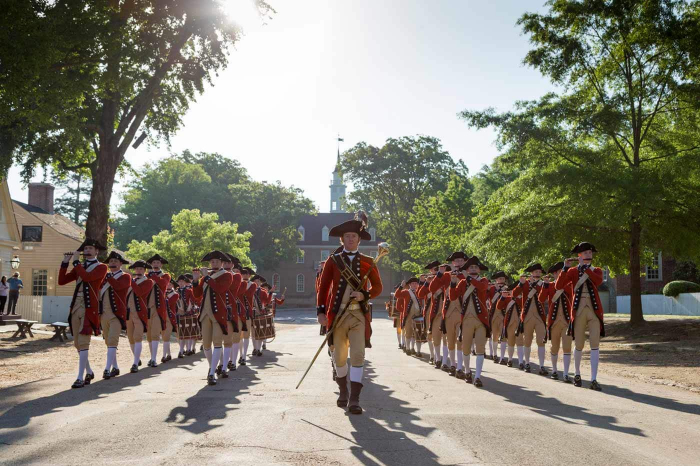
{"x": 586, "y": 320}
{"x": 111, "y": 328}
{"x": 496, "y": 326}
{"x": 249, "y": 325}
{"x": 453, "y": 322}
{"x": 77, "y": 319}
{"x": 232, "y": 337}
{"x": 436, "y": 334}
{"x": 534, "y": 325}
{"x": 211, "y": 332}
{"x": 134, "y": 328}
{"x": 558, "y": 336}
{"x": 168, "y": 331}
{"x": 510, "y": 332}
{"x": 350, "y": 335}
{"x": 473, "y": 331}
{"x": 154, "y": 331}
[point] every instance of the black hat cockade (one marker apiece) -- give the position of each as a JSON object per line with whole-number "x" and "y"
{"x": 432, "y": 265}
{"x": 412, "y": 280}
{"x": 457, "y": 255}
{"x": 535, "y": 266}
{"x": 499, "y": 274}
{"x": 184, "y": 278}
{"x": 215, "y": 254}
{"x": 584, "y": 246}
{"x": 116, "y": 255}
{"x": 474, "y": 261}
{"x": 357, "y": 225}
{"x": 258, "y": 277}
{"x": 91, "y": 242}
{"x": 157, "y": 257}
{"x": 266, "y": 285}
{"x": 139, "y": 263}
{"x": 555, "y": 267}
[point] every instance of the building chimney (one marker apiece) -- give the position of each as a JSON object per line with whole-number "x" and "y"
{"x": 41, "y": 196}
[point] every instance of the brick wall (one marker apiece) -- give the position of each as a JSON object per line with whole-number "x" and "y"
{"x": 622, "y": 282}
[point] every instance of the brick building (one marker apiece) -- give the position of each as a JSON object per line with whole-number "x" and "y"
{"x": 654, "y": 277}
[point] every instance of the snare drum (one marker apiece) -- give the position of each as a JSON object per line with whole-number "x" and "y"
{"x": 264, "y": 327}
{"x": 188, "y": 328}
{"x": 419, "y": 330}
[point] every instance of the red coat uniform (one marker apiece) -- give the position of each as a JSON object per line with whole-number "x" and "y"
{"x": 161, "y": 281}
{"x": 232, "y": 298}
{"x": 89, "y": 282}
{"x": 141, "y": 291}
{"x": 404, "y": 296}
{"x": 522, "y": 291}
{"x": 512, "y": 313}
{"x": 172, "y": 300}
{"x": 116, "y": 293}
{"x": 442, "y": 282}
{"x": 216, "y": 295}
{"x": 571, "y": 276}
{"x": 546, "y": 295}
{"x": 333, "y": 286}
{"x": 248, "y": 294}
{"x": 187, "y": 297}
{"x": 478, "y": 296}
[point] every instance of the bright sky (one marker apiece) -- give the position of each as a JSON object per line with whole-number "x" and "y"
{"x": 365, "y": 69}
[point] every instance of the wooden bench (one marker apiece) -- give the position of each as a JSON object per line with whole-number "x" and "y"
{"x": 23, "y": 327}
{"x": 59, "y": 331}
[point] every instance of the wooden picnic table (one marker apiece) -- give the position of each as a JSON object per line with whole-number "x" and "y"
{"x": 23, "y": 327}
{"x": 59, "y": 331}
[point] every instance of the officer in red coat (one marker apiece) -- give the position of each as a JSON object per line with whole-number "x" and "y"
{"x": 451, "y": 315}
{"x": 137, "y": 309}
{"x": 430, "y": 312}
{"x": 158, "y": 320}
{"x": 342, "y": 277}
{"x": 232, "y": 341}
{"x": 113, "y": 309}
{"x": 185, "y": 307}
{"x": 84, "y": 316}
{"x": 533, "y": 316}
{"x": 558, "y": 303}
{"x": 212, "y": 288}
{"x": 496, "y": 316}
{"x": 586, "y": 309}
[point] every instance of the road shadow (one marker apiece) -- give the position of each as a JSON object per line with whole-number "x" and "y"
{"x": 380, "y": 433}
{"x": 15, "y": 347}
{"x": 205, "y": 410}
{"x": 659, "y": 402}
{"x": 554, "y": 408}
{"x": 16, "y": 416}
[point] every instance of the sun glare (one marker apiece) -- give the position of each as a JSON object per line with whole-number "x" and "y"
{"x": 243, "y": 13}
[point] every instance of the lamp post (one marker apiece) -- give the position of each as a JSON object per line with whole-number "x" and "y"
{"x": 14, "y": 263}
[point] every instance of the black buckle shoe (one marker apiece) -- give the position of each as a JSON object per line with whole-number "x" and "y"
{"x": 134, "y": 369}
{"x": 595, "y": 386}
{"x": 460, "y": 374}
{"x": 106, "y": 374}
{"x": 230, "y": 366}
{"x": 180, "y": 355}
{"x": 478, "y": 384}
{"x": 219, "y": 369}
{"x": 521, "y": 366}
{"x": 223, "y": 375}
{"x": 139, "y": 363}
{"x": 577, "y": 381}
{"x": 468, "y": 377}
{"x": 438, "y": 365}
{"x": 240, "y": 360}
{"x": 543, "y": 371}
{"x": 453, "y": 371}
{"x": 211, "y": 380}
{"x": 510, "y": 363}
{"x": 78, "y": 384}
{"x": 114, "y": 372}
{"x": 168, "y": 358}
{"x": 242, "y": 363}
{"x": 555, "y": 376}
{"x": 567, "y": 379}
{"x": 496, "y": 359}
{"x": 163, "y": 360}
{"x": 527, "y": 368}
{"x": 431, "y": 361}
{"x": 89, "y": 378}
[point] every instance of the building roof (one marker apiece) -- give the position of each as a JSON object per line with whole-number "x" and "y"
{"x": 313, "y": 226}
{"x": 58, "y": 222}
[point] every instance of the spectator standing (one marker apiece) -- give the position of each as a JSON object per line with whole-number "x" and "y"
{"x": 15, "y": 286}
{"x": 4, "y": 288}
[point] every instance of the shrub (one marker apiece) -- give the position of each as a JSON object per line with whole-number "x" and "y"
{"x": 673, "y": 289}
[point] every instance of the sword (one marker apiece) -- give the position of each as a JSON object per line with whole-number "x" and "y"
{"x": 383, "y": 250}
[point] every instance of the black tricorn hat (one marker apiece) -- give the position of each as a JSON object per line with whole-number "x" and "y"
{"x": 174, "y": 283}
{"x": 397, "y": 287}
{"x": 140, "y": 263}
{"x": 351, "y": 226}
{"x": 555, "y": 267}
{"x": 258, "y": 277}
{"x": 499, "y": 274}
{"x": 116, "y": 255}
{"x": 535, "y": 266}
{"x": 183, "y": 277}
{"x": 157, "y": 257}
{"x": 248, "y": 270}
{"x": 215, "y": 254}
{"x": 232, "y": 258}
{"x": 265, "y": 285}
{"x": 474, "y": 261}
{"x": 448, "y": 268}
{"x": 585, "y": 246}
{"x": 432, "y": 265}
{"x": 412, "y": 280}
{"x": 91, "y": 242}
{"x": 457, "y": 255}
{"x": 189, "y": 276}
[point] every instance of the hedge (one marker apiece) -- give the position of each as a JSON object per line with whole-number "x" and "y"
{"x": 675, "y": 288}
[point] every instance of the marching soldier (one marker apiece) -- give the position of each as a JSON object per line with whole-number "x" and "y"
{"x": 113, "y": 293}
{"x": 246, "y": 292}
{"x": 137, "y": 310}
{"x": 343, "y": 277}
{"x": 187, "y": 307}
{"x": 84, "y": 316}
{"x": 558, "y": 318}
{"x": 273, "y": 301}
{"x": 212, "y": 288}
{"x": 157, "y": 321}
{"x": 511, "y": 321}
{"x": 496, "y": 315}
{"x": 532, "y": 316}
{"x": 586, "y": 311}
{"x": 259, "y": 299}
{"x": 232, "y": 341}
{"x": 172, "y": 300}
{"x": 433, "y": 314}
{"x": 393, "y": 313}
{"x": 470, "y": 293}
{"x": 413, "y": 310}
{"x": 451, "y": 314}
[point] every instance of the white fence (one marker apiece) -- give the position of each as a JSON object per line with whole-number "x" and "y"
{"x": 44, "y": 309}
{"x": 686, "y": 304}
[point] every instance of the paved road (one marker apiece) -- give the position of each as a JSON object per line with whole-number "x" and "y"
{"x": 414, "y": 415}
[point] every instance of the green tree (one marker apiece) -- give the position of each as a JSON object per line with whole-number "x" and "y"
{"x": 190, "y": 237}
{"x": 388, "y": 181}
{"x": 75, "y": 200}
{"x": 613, "y": 157}
{"x": 440, "y": 223}
{"x": 80, "y": 79}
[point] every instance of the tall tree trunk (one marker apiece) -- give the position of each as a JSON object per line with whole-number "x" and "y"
{"x": 103, "y": 174}
{"x": 636, "y": 314}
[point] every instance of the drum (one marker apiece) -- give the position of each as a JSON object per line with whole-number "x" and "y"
{"x": 264, "y": 327}
{"x": 188, "y": 327}
{"x": 419, "y": 330}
